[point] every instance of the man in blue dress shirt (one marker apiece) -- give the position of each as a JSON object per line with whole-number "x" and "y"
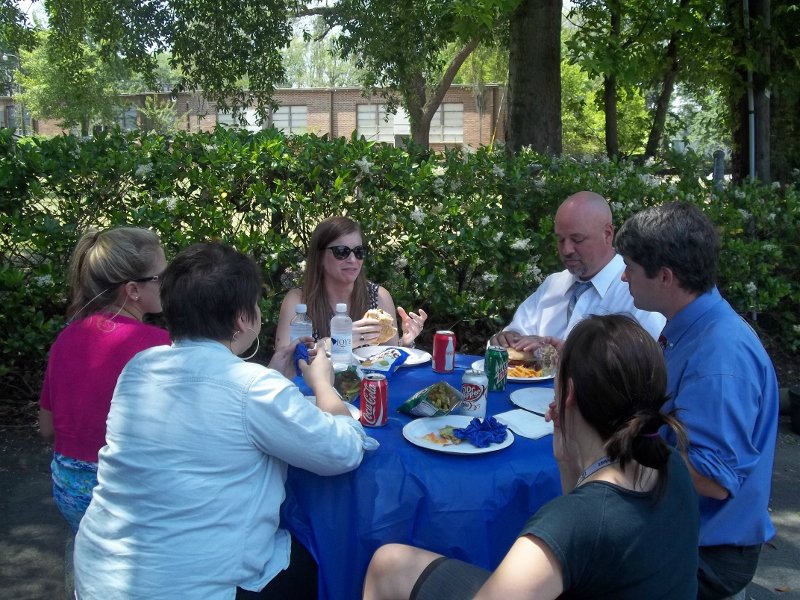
{"x": 721, "y": 381}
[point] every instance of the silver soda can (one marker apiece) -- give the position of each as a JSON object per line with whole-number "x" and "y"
{"x": 474, "y": 388}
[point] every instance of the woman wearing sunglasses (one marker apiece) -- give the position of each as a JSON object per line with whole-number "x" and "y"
{"x": 334, "y": 274}
{"x": 114, "y": 281}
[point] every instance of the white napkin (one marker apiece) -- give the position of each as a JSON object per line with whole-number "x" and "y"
{"x": 525, "y": 423}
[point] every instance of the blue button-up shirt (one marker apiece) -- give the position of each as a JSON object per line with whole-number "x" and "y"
{"x": 723, "y": 384}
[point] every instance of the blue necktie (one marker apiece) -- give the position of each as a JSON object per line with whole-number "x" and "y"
{"x": 577, "y": 290}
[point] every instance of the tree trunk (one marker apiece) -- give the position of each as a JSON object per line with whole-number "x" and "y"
{"x": 534, "y": 77}
{"x": 665, "y": 95}
{"x": 740, "y": 164}
{"x": 760, "y": 12}
{"x": 610, "y": 108}
{"x": 785, "y": 96}
{"x": 421, "y": 105}
{"x": 610, "y": 89}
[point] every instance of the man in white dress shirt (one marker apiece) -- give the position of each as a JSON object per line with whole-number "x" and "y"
{"x": 591, "y": 283}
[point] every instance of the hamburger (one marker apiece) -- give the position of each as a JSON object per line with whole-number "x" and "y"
{"x": 518, "y": 358}
{"x": 388, "y": 329}
{"x": 542, "y": 360}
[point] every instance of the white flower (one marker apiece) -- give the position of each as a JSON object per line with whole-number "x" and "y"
{"x": 776, "y": 185}
{"x": 648, "y": 180}
{"x": 364, "y": 165}
{"x": 497, "y": 170}
{"x": 484, "y": 220}
{"x": 438, "y": 171}
{"x": 617, "y": 206}
{"x": 437, "y": 208}
{"x": 498, "y": 236}
{"x": 489, "y": 277}
{"x": 769, "y": 247}
{"x": 751, "y": 288}
{"x": 438, "y": 185}
{"x": 739, "y": 194}
{"x": 43, "y": 280}
{"x": 771, "y": 217}
{"x": 745, "y": 215}
{"x": 401, "y": 262}
{"x": 521, "y": 244}
{"x": 538, "y": 183}
{"x": 533, "y": 270}
{"x": 170, "y": 202}
{"x": 649, "y": 162}
{"x": 671, "y": 189}
{"x": 796, "y": 328}
{"x": 417, "y": 215}
{"x": 143, "y": 170}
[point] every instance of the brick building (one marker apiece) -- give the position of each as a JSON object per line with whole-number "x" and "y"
{"x": 464, "y": 116}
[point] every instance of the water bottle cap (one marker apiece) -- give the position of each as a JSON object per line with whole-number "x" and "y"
{"x": 341, "y": 308}
{"x": 300, "y": 308}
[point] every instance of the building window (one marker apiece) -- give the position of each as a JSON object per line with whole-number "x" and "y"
{"x": 374, "y": 123}
{"x": 249, "y": 122}
{"x": 447, "y": 124}
{"x": 128, "y": 118}
{"x": 291, "y": 119}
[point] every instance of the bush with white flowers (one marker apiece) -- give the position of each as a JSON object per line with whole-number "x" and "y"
{"x": 464, "y": 234}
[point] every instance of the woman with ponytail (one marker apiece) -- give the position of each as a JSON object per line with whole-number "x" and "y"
{"x": 627, "y": 524}
{"x": 114, "y": 279}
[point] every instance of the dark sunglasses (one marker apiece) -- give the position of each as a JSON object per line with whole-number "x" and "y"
{"x": 156, "y": 278}
{"x": 342, "y": 252}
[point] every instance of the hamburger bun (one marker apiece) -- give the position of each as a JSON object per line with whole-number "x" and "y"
{"x": 388, "y": 330}
{"x": 516, "y": 357}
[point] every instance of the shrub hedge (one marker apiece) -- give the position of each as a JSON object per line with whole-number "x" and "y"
{"x": 464, "y": 234}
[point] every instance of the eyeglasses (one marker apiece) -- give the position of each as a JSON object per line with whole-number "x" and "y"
{"x": 342, "y": 252}
{"x": 155, "y": 278}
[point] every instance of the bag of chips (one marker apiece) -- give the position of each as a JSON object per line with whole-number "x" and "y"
{"x": 436, "y": 400}
{"x": 385, "y": 362}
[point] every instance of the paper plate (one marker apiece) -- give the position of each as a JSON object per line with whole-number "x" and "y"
{"x": 478, "y": 364}
{"x": 416, "y": 430}
{"x": 534, "y": 399}
{"x": 415, "y": 355}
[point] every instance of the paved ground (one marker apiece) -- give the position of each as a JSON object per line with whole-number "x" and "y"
{"x": 33, "y": 536}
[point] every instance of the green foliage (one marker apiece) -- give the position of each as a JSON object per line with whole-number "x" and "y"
{"x": 311, "y": 60}
{"x": 464, "y": 235}
{"x": 78, "y": 89}
{"x": 158, "y": 116}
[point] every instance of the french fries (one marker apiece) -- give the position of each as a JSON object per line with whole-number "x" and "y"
{"x": 523, "y": 372}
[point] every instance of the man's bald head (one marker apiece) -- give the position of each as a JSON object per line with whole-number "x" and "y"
{"x": 585, "y": 234}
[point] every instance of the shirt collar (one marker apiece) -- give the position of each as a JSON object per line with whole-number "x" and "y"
{"x": 604, "y": 278}
{"x": 688, "y": 316}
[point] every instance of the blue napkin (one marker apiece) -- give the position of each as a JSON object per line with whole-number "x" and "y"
{"x": 482, "y": 433}
{"x": 300, "y": 353}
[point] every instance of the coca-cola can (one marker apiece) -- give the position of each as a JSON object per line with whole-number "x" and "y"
{"x": 474, "y": 388}
{"x": 374, "y": 400}
{"x": 444, "y": 352}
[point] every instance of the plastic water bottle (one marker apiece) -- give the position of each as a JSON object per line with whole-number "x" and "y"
{"x": 300, "y": 325}
{"x": 341, "y": 338}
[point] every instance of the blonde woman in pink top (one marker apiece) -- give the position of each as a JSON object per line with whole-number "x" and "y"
{"x": 114, "y": 281}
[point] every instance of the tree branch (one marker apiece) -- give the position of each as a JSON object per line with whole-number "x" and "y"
{"x": 450, "y": 73}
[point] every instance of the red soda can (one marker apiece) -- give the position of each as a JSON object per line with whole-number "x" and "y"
{"x": 374, "y": 400}
{"x": 444, "y": 352}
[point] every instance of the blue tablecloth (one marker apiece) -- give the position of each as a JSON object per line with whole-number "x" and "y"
{"x": 468, "y": 507}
